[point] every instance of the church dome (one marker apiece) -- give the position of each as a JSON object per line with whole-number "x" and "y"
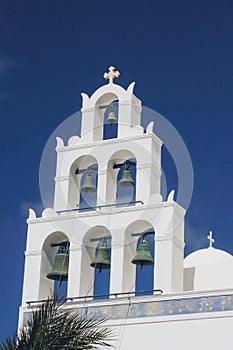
{"x": 208, "y": 269}
{"x": 207, "y": 256}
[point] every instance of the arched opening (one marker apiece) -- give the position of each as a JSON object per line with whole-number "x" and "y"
{"x": 83, "y": 182}
{"x": 145, "y": 272}
{"x": 97, "y": 257}
{"x": 106, "y": 117}
{"x": 54, "y": 266}
{"x": 139, "y": 257}
{"x": 88, "y": 187}
{"x": 126, "y": 181}
{"x": 111, "y": 121}
{"x": 121, "y": 178}
{"x": 102, "y": 263}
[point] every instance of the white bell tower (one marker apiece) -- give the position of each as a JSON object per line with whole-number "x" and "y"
{"x": 107, "y": 200}
{"x": 107, "y": 217}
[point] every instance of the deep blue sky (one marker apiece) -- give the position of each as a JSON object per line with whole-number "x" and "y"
{"x": 180, "y": 55}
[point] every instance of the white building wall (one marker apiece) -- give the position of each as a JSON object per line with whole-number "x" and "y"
{"x": 180, "y": 333}
{"x": 207, "y": 277}
{"x": 196, "y": 320}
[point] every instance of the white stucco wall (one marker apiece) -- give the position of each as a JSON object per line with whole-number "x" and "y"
{"x": 192, "y": 333}
{"x": 179, "y": 321}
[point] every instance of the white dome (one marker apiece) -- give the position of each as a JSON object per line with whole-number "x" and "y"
{"x": 208, "y": 269}
{"x": 207, "y": 256}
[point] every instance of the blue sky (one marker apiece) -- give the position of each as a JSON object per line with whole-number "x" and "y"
{"x": 180, "y": 55}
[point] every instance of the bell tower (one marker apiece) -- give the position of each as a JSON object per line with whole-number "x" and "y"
{"x": 107, "y": 196}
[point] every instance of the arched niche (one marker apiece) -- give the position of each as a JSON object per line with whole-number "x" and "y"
{"x": 141, "y": 279}
{"x": 102, "y": 107}
{"x": 110, "y": 130}
{"x": 77, "y": 175}
{"x": 116, "y": 193}
{"x": 47, "y": 286}
{"x": 94, "y": 282}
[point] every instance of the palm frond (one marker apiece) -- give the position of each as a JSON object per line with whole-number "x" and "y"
{"x": 54, "y": 327}
{"x": 9, "y": 344}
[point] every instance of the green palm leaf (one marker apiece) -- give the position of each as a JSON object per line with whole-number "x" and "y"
{"x": 54, "y": 327}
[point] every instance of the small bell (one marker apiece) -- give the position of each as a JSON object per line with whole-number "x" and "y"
{"x": 126, "y": 177}
{"x": 111, "y": 119}
{"x": 143, "y": 256}
{"x": 101, "y": 260}
{"x": 88, "y": 185}
{"x": 61, "y": 264}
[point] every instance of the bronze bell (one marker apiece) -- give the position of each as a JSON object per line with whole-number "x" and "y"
{"x": 143, "y": 256}
{"x": 111, "y": 119}
{"x": 126, "y": 177}
{"x": 61, "y": 265}
{"x": 88, "y": 185}
{"x": 101, "y": 260}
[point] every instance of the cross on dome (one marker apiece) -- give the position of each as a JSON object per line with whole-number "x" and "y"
{"x": 210, "y": 238}
{"x": 112, "y": 74}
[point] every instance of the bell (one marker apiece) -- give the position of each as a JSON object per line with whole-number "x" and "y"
{"x": 60, "y": 267}
{"x": 111, "y": 119}
{"x": 88, "y": 185}
{"x": 101, "y": 260}
{"x": 143, "y": 256}
{"x": 126, "y": 177}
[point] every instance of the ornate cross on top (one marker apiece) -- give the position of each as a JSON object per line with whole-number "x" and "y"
{"x": 112, "y": 74}
{"x": 210, "y": 238}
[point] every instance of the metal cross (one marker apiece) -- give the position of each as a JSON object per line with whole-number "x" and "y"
{"x": 210, "y": 238}
{"x": 112, "y": 74}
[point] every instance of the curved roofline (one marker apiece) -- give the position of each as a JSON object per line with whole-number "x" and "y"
{"x": 207, "y": 256}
